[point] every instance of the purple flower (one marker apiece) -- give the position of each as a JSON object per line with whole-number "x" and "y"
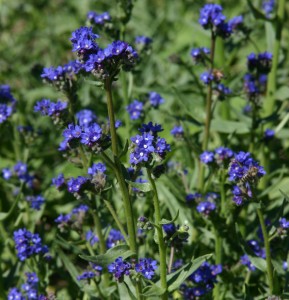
{"x": 15, "y": 294}
{"x": 98, "y": 19}
{"x": 196, "y": 197}
{"x": 85, "y": 117}
{"x": 114, "y": 238}
{"x": 48, "y": 108}
{"x": 177, "y": 131}
{"x": 199, "y": 54}
{"x": 119, "y": 268}
{"x": 135, "y": 109}
{"x": 83, "y": 40}
{"x": 284, "y": 223}
{"x": 269, "y": 134}
{"x": 147, "y": 267}
{"x": 143, "y": 40}
{"x": 207, "y": 157}
{"x": 35, "y": 201}
{"x": 86, "y": 275}
{"x": 7, "y": 103}
{"x": 150, "y": 128}
{"x": 206, "y": 207}
{"x": 58, "y": 181}
{"x": 236, "y": 22}
{"x": 74, "y": 185}
{"x": 155, "y": 99}
{"x": 6, "y": 173}
{"x": 207, "y": 77}
{"x": 91, "y": 237}
{"x": 91, "y": 135}
{"x": 28, "y": 244}
{"x": 222, "y": 90}
{"x": 211, "y": 15}
{"x": 268, "y": 7}
{"x": 96, "y": 168}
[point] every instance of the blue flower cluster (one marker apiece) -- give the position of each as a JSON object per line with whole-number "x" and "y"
{"x": 219, "y": 156}
{"x": 85, "y": 117}
{"x": 121, "y": 268}
{"x": 51, "y": 109}
{"x": 148, "y": 144}
{"x": 258, "y": 251}
{"x": 176, "y": 235}
{"x": 90, "y": 135}
{"x": 147, "y": 267}
{"x": 59, "y": 74}
{"x": 246, "y": 172}
{"x": 28, "y": 244}
{"x": 114, "y": 238}
{"x": 7, "y": 103}
{"x": 135, "y": 109}
{"x": 211, "y": 17}
{"x": 59, "y": 181}
{"x": 155, "y": 99}
{"x": 35, "y": 201}
{"x": 206, "y": 207}
{"x": 199, "y": 55}
{"x": 94, "y": 270}
{"x": 203, "y": 280}
{"x": 29, "y": 290}
{"x": 91, "y": 237}
{"x": 268, "y": 7}
{"x": 74, "y": 218}
{"x": 98, "y": 19}
{"x": 103, "y": 63}
{"x": 256, "y": 79}
{"x": 19, "y": 171}
{"x": 177, "y": 132}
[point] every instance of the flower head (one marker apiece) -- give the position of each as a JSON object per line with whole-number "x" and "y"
{"x": 147, "y": 267}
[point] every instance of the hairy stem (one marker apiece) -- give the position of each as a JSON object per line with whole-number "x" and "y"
{"x": 208, "y": 113}
{"x": 267, "y": 250}
{"x": 161, "y": 243}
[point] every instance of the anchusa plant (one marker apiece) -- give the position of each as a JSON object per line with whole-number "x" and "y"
{"x": 100, "y": 201}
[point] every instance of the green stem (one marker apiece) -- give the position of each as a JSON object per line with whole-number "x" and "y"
{"x": 269, "y": 103}
{"x": 110, "y": 110}
{"x": 267, "y": 250}
{"x": 120, "y": 177}
{"x": 208, "y": 113}
{"x": 161, "y": 243}
{"x": 253, "y": 128}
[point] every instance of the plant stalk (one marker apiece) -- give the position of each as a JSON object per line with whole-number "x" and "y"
{"x": 161, "y": 243}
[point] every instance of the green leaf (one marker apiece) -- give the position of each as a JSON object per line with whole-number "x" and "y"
{"x": 164, "y": 221}
{"x": 5, "y": 216}
{"x": 285, "y": 195}
{"x": 110, "y": 256}
{"x": 258, "y": 262}
{"x": 92, "y": 82}
{"x": 124, "y": 150}
{"x": 257, "y": 13}
{"x": 153, "y": 291}
{"x": 70, "y": 267}
{"x": 282, "y": 93}
{"x": 224, "y": 126}
{"x": 177, "y": 278}
{"x": 143, "y": 187}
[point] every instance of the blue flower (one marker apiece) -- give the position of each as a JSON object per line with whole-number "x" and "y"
{"x": 114, "y": 238}
{"x": 15, "y": 294}
{"x": 98, "y": 19}
{"x": 206, "y": 207}
{"x": 119, "y": 268}
{"x": 211, "y": 15}
{"x": 207, "y": 77}
{"x": 207, "y": 157}
{"x": 58, "y": 181}
{"x": 74, "y": 185}
{"x": 199, "y": 54}
{"x": 222, "y": 90}
{"x": 6, "y": 173}
{"x": 147, "y": 267}
{"x": 196, "y": 197}
{"x": 48, "y": 108}
{"x": 236, "y": 22}
{"x": 268, "y": 6}
{"x": 35, "y": 201}
{"x": 83, "y": 40}
{"x": 269, "y": 134}
{"x": 91, "y": 237}
{"x": 155, "y": 99}
{"x": 96, "y": 168}
{"x": 135, "y": 109}
{"x": 85, "y": 117}
{"x": 143, "y": 40}
{"x": 91, "y": 135}
{"x": 284, "y": 223}
{"x": 86, "y": 275}
{"x": 177, "y": 131}
{"x": 7, "y": 103}
{"x": 28, "y": 244}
